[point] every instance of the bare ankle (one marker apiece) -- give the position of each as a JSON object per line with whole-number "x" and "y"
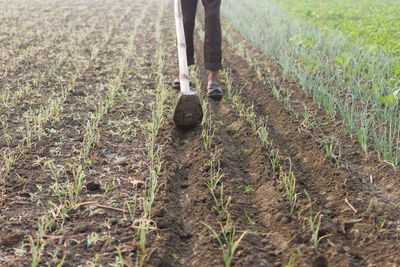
{"x": 213, "y": 77}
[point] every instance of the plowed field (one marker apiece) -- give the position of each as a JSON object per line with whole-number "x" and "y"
{"x": 94, "y": 173}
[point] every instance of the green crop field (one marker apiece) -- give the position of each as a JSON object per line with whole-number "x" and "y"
{"x": 376, "y": 23}
{"x": 344, "y": 75}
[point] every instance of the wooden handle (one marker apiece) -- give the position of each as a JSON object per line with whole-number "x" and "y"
{"x": 180, "y": 36}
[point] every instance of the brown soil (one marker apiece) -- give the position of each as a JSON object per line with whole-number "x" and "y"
{"x": 341, "y": 190}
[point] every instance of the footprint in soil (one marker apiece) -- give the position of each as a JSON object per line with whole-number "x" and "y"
{"x": 10, "y": 239}
{"x": 93, "y": 186}
{"x": 320, "y": 261}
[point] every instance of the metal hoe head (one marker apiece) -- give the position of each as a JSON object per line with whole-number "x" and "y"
{"x": 188, "y": 111}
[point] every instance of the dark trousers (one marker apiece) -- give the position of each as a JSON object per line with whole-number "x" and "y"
{"x": 212, "y": 38}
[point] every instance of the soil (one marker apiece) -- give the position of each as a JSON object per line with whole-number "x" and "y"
{"x": 356, "y": 195}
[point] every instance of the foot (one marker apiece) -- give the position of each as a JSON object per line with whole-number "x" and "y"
{"x": 213, "y": 77}
{"x": 176, "y": 84}
{"x": 214, "y": 91}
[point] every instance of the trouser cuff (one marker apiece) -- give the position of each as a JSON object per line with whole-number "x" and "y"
{"x": 213, "y": 66}
{"x": 190, "y": 61}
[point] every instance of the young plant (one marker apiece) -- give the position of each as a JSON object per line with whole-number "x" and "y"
{"x": 371, "y": 204}
{"x": 215, "y": 173}
{"x": 263, "y": 134}
{"x": 9, "y": 160}
{"x": 289, "y": 180}
{"x": 227, "y": 79}
{"x": 330, "y": 148}
{"x": 36, "y": 249}
{"x": 208, "y": 133}
{"x": 221, "y": 204}
{"x": 315, "y": 225}
{"x": 230, "y": 241}
{"x": 362, "y": 133}
{"x": 274, "y": 160}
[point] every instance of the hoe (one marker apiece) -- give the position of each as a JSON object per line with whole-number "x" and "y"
{"x": 188, "y": 111}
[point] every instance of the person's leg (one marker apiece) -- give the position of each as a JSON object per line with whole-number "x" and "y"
{"x": 213, "y": 38}
{"x": 212, "y": 47}
{"x": 189, "y": 16}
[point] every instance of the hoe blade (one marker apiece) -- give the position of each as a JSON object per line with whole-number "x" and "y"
{"x": 188, "y": 111}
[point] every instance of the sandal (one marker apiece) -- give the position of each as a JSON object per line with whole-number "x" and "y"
{"x": 176, "y": 85}
{"x": 215, "y": 92}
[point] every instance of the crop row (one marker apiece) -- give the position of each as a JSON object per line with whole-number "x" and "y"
{"x": 352, "y": 84}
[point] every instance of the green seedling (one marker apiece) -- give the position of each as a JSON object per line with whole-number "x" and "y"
{"x": 227, "y": 79}
{"x": 286, "y": 97}
{"x": 330, "y": 148}
{"x": 2, "y": 196}
{"x": 248, "y": 189}
{"x": 9, "y": 158}
{"x": 289, "y": 180}
{"x": 208, "y": 133}
{"x": 308, "y": 119}
{"x": 382, "y": 224}
{"x": 36, "y": 250}
{"x": 175, "y": 257}
{"x": 263, "y": 134}
{"x": 248, "y": 150}
{"x": 274, "y": 160}
{"x": 21, "y": 251}
{"x": 315, "y": 225}
{"x": 292, "y": 258}
{"x": 92, "y": 239}
{"x": 132, "y": 207}
{"x": 215, "y": 173}
{"x": 363, "y": 133}
{"x": 120, "y": 259}
{"x": 371, "y": 204}
{"x": 230, "y": 241}
{"x": 221, "y": 206}
{"x": 248, "y": 217}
